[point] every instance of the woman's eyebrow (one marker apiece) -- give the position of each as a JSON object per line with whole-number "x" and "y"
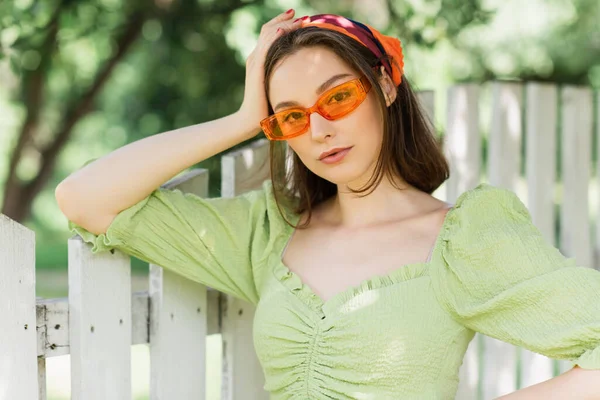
{"x": 324, "y": 86}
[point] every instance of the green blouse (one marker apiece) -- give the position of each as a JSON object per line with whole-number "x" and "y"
{"x": 403, "y": 334}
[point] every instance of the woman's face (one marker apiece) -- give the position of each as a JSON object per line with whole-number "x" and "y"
{"x": 296, "y": 79}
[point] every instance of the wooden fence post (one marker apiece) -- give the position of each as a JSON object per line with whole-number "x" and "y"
{"x": 18, "y": 361}
{"x": 178, "y": 321}
{"x": 504, "y": 168}
{"x": 99, "y": 323}
{"x": 463, "y": 150}
{"x": 463, "y": 139}
{"x": 576, "y": 154}
{"x": 243, "y": 378}
{"x": 540, "y": 171}
{"x": 597, "y": 181}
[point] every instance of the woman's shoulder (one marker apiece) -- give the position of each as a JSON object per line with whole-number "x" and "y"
{"x": 485, "y": 210}
{"x": 483, "y": 233}
{"x": 487, "y": 199}
{"x": 261, "y": 205}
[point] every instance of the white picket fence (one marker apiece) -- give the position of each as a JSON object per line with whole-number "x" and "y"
{"x": 101, "y": 318}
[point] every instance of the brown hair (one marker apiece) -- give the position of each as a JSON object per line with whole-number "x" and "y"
{"x": 409, "y": 148}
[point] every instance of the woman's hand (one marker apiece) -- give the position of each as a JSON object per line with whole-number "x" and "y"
{"x": 254, "y": 106}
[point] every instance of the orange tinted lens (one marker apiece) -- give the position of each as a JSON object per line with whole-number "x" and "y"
{"x": 333, "y": 104}
{"x": 341, "y": 100}
{"x": 287, "y": 122}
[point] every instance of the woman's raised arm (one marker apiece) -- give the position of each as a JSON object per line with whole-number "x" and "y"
{"x": 93, "y": 195}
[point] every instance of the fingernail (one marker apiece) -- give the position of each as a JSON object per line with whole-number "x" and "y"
{"x": 297, "y": 19}
{"x": 289, "y": 11}
{"x": 278, "y": 29}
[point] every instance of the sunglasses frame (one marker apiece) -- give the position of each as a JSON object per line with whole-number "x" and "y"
{"x": 363, "y": 85}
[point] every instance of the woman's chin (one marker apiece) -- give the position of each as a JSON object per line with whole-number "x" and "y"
{"x": 351, "y": 178}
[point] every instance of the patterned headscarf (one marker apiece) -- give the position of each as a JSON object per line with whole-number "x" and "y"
{"x": 366, "y": 35}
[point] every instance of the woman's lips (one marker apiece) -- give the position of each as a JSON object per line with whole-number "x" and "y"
{"x": 336, "y": 157}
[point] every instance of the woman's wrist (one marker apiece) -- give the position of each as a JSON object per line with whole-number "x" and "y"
{"x": 248, "y": 125}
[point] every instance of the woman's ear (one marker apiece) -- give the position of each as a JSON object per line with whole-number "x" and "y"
{"x": 388, "y": 87}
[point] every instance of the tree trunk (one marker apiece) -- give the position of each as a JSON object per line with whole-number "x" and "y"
{"x": 19, "y": 195}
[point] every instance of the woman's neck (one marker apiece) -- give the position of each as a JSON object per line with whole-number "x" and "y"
{"x": 384, "y": 204}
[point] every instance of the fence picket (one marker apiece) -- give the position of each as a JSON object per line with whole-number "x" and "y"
{"x": 504, "y": 161}
{"x": 504, "y": 144}
{"x": 463, "y": 150}
{"x": 576, "y": 159}
{"x": 178, "y": 321}
{"x": 242, "y": 170}
{"x": 576, "y": 145}
{"x": 427, "y": 100}
{"x": 597, "y": 182}
{"x": 463, "y": 140}
{"x": 99, "y": 323}
{"x": 18, "y": 363}
{"x": 540, "y": 156}
{"x": 540, "y": 170}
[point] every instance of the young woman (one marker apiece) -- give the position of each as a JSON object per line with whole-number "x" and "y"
{"x": 366, "y": 286}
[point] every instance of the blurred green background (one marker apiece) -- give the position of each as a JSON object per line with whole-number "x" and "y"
{"x": 79, "y": 79}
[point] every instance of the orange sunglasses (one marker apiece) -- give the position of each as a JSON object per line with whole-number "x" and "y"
{"x": 335, "y": 103}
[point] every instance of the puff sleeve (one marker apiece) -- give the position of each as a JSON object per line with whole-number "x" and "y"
{"x": 498, "y": 276}
{"x": 217, "y": 242}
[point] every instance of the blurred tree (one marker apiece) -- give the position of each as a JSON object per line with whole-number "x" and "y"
{"x": 65, "y": 53}
{"x": 542, "y": 40}
{"x": 109, "y": 72}
{"x": 35, "y": 52}
{"x": 139, "y": 68}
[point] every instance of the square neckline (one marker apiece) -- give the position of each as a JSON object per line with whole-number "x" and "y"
{"x": 309, "y": 297}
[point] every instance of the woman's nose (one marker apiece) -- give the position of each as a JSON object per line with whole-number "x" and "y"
{"x": 320, "y": 127}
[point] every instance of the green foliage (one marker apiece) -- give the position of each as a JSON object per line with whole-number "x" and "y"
{"x": 186, "y": 62}
{"x": 543, "y": 40}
